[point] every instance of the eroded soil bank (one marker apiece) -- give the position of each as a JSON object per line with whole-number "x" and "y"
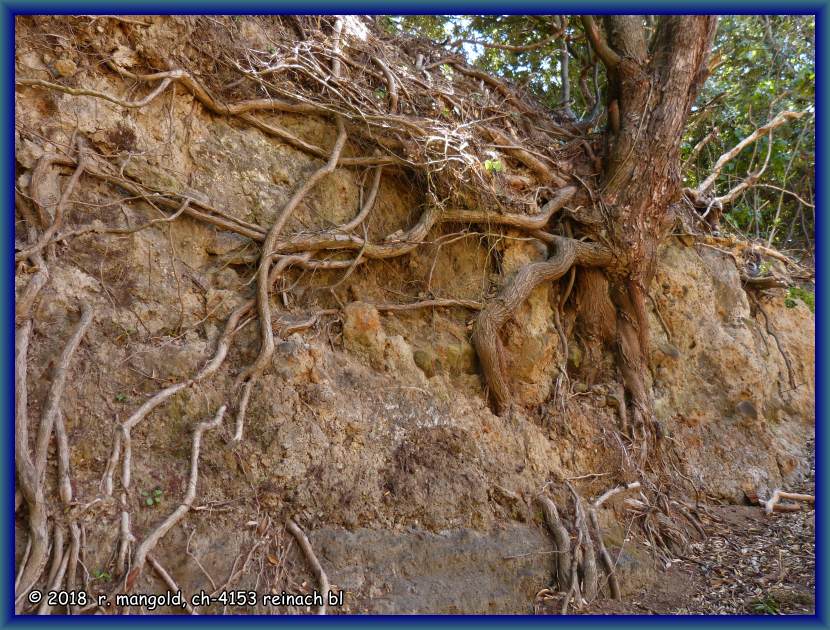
{"x": 371, "y": 427}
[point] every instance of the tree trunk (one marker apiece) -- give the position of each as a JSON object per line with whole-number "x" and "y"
{"x": 651, "y": 88}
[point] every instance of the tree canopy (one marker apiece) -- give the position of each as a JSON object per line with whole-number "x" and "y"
{"x": 761, "y": 65}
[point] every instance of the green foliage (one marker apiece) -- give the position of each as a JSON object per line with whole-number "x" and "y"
{"x": 766, "y": 606}
{"x": 805, "y": 295}
{"x": 152, "y": 498}
{"x": 102, "y": 575}
{"x": 763, "y": 65}
{"x": 760, "y": 66}
{"x": 537, "y": 70}
{"x": 120, "y": 397}
{"x": 493, "y": 166}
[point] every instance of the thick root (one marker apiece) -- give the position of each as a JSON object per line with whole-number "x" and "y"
{"x": 562, "y": 542}
{"x": 496, "y": 313}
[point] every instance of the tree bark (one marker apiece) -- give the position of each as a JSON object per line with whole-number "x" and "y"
{"x": 652, "y": 85}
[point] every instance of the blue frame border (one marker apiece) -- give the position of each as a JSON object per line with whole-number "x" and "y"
{"x": 10, "y": 8}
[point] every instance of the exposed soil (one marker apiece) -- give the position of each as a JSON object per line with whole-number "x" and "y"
{"x": 370, "y": 427}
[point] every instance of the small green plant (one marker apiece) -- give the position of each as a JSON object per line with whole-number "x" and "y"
{"x": 493, "y": 166}
{"x": 121, "y": 398}
{"x": 152, "y": 498}
{"x": 766, "y": 606}
{"x": 797, "y": 293}
{"x": 101, "y": 574}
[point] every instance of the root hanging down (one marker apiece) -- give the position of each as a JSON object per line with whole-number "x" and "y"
{"x": 562, "y": 542}
{"x": 576, "y": 573}
{"x": 148, "y": 544}
{"x": 30, "y": 470}
{"x": 608, "y": 563}
{"x": 319, "y": 573}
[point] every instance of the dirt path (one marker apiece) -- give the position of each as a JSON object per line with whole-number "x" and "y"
{"x": 750, "y": 564}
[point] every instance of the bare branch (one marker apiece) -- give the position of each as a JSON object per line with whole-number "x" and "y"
{"x": 776, "y": 122}
{"x": 608, "y": 56}
{"x": 748, "y": 182}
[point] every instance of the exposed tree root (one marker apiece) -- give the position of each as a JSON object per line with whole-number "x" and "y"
{"x": 771, "y": 332}
{"x": 48, "y": 233}
{"x": 30, "y": 470}
{"x": 608, "y": 563}
{"x": 588, "y": 564}
{"x": 171, "y": 583}
{"x": 152, "y": 539}
{"x": 269, "y": 250}
{"x": 576, "y": 573}
{"x": 562, "y": 542}
{"x": 496, "y": 313}
{"x": 319, "y": 573}
{"x": 573, "y": 590}
{"x": 773, "y": 505}
{"x": 66, "y": 494}
{"x": 436, "y": 303}
{"x": 52, "y": 408}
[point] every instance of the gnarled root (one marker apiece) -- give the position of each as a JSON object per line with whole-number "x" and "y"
{"x": 562, "y": 541}
{"x": 152, "y": 539}
{"x": 495, "y": 314}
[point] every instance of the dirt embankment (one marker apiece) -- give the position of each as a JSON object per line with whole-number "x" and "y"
{"x": 370, "y": 427}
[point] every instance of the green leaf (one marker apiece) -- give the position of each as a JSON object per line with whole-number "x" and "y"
{"x": 493, "y": 166}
